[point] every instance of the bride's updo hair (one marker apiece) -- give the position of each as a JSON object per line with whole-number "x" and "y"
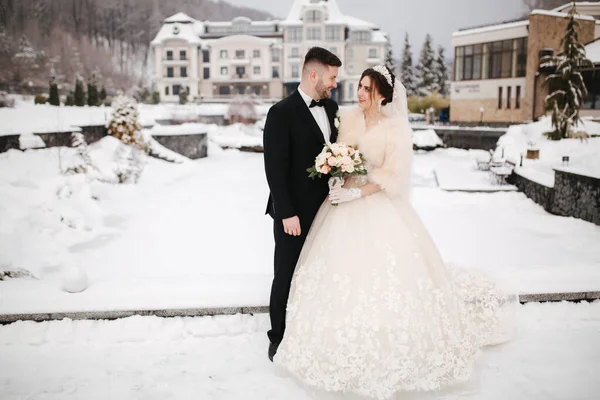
{"x": 383, "y": 87}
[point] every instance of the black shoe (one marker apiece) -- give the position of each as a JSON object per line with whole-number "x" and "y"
{"x": 272, "y": 350}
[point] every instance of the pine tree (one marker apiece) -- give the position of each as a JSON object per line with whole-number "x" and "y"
{"x": 155, "y": 97}
{"x": 566, "y": 82}
{"x": 102, "y": 95}
{"x": 124, "y": 123}
{"x": 79, "y": 93}
{"x": 426, "y": 69}
{"x": 407, "y": 72}
{"x": 389, "y": 58}
{"x": 92, "y": 86}
{"x": 25, "y": 60}
{"x": 53, "y": 99}
{"x": 441, "y": 73}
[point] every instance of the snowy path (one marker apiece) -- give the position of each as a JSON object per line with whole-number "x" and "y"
{"x": 194, "y": 235}
{"x": 554, "y": 356}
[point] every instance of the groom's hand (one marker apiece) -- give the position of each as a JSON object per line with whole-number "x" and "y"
{"x": 291, "y": 226}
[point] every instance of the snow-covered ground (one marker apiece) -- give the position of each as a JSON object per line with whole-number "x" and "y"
{"x": 554, "y": 355}
{"x": 584, "y": 156}
{"x": 194, "y": 234}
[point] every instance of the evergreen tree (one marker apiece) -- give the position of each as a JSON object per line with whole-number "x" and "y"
{"x": 53, "y": 99}
{"x": 441, "y": 73}
{"x": 70, "y": 100}
{"x": 102, "y": 95}
{"x": 79, "y": 93}
{"x": 389, "y": 58}
{"x": 155, "y": 97}
{"x": 407, "y": 72}
{"x": 426, "y": 69}
{"x": 566, "y": 85}
{"x": 25, "y": 60}
{"x": 92, "y": 86}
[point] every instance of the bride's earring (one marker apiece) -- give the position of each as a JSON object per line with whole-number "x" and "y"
{"x": 380, "y": 101}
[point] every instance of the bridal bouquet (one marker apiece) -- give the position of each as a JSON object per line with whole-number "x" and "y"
{"x": 338, "y": 160}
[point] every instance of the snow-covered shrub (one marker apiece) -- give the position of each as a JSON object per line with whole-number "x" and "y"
{"x": 125, "y": 126}
{"x": 83, "y": 163}
{"x": 6, "y": 101}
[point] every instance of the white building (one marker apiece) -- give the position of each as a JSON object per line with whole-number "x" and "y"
{"x": 217, "y": 60}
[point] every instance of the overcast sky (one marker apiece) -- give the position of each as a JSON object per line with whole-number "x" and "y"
{"x": 417, "y": 17}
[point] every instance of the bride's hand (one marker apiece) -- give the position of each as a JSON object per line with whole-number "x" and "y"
{"x": 339, "y": 194}
{"x": 335, "y": 182}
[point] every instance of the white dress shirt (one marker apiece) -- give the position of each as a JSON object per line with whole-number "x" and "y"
{"x": 320, "y": 116}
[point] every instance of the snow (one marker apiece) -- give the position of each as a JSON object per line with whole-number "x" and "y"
{"x": 456, "y": 170}
{"x": 553, "y": 355}
{"x": 183, "y": 129}
{"x": 426, "y": 138}
{"x": 195, "y": 234}
{"x": 561, "y": 14}
{"x": 17, "y": 121}
{"x": 583, "y": 155}
{"x": 30, "y": 141}
{"x": 179, "y": 17}
{"x": 592, "y": 51}
{"x": 186, "y": 30}
{"x": 490, "y": 28}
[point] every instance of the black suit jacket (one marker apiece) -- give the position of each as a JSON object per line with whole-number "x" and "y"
{"x": 292, "y": 140}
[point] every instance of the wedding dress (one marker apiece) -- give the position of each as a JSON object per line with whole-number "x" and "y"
{"x": 373, "y": 310}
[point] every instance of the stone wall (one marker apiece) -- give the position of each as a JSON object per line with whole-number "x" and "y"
{"x": 577, "y": 196}
{"x": 192, "y": 146}
{"x": 573, "y": 195}
{"x": 468, "y": 110}
{"x": 483, "y": 139}
{"x": 9, "y": 142}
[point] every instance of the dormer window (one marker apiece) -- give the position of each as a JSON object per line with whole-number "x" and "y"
{"x": 313, "y": 16}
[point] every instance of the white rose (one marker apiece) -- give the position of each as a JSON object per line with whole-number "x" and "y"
{"x": 336, "y": 122}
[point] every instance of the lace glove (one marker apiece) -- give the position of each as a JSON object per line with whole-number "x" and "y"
{"x": 335, "y": 182}
{"x": 339, "y": 194}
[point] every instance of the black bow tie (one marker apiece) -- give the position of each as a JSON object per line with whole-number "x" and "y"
{"x": 319, "y": 103}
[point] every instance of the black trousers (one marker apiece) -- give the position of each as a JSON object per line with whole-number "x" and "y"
{"x": 287, "y": 252}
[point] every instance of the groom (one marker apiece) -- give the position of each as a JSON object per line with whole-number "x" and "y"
{"x": 295, "y": 132}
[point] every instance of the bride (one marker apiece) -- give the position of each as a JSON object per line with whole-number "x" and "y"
{"x": 373, "y": 310}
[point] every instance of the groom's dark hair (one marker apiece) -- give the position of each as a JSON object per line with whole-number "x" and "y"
{"x": 322, "y": 56}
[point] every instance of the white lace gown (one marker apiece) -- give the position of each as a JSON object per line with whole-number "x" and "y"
{"x": 373, "y": 310}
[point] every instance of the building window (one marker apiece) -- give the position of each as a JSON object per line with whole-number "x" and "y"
{"x": 295, "y": 52}
{"x": 372, "y": 53}
{"x": 350, "y": 68}
{"x": 206, "y": 74}
{"x": 500, "y": 59}
{"x": 312, "y": 16}
{"x": 176, "y": 90}
{"x": 169, "y": 55}
{"x": 333, "y": 50}
{"x": 313, "y": 33}
{"x": 224, "y": 55}
{"x": 494, "y": 60}
{"x": 468, "y": 62}
{"x": 256, "y": 90}
{"x": 182, "y": 55}
{"x": 240, "y": 71}
{"x": 361, "y": 36}
{"x": 332, "y": 34}
{"x": 224, "y": 90}
{"x": 518, "y": 97}
{"x": 350, "y": 54}
{"x": 256, "y": 54}
{"x": 508, "y": 95}
{"x": 275, "y": 55}
{"x": 224, "y": 71}
{"x": 275, "y": 72}
{"x": 170, "y": 73}
{"x": 294, "y": 35}
{"x": 256, "y": 70}
{"x": 240, "y": 54}
{"x": 205, "y": 56}
{"x": 166, "y": 90}
{"x": 521, "y": 57}
{"x": 295, "y": 71}
{"x": 350, "y": 91}
{"x": 500, "y": 98}
{"x": 183, "y": 72}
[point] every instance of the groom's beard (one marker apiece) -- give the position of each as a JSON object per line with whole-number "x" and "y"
{"x": 322, "y": 90}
